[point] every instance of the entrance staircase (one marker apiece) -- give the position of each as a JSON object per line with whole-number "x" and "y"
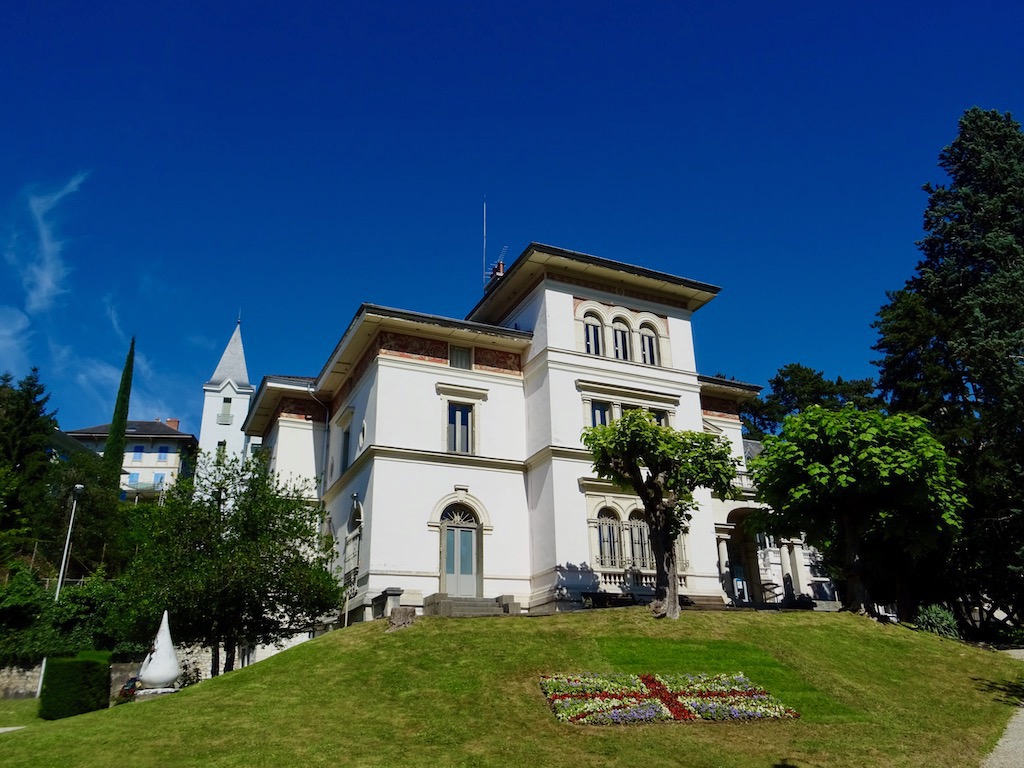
{"x": 440, "y": 604}
{"x": 704, "y": 603}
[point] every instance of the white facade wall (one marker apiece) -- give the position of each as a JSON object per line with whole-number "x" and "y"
{"x": 296, "y": 447}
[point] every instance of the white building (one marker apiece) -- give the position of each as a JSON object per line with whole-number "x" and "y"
{"x": 155, "y": 455}
{"x": 449, "y": 457}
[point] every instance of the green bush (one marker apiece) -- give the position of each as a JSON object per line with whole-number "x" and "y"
{"x": 77, "y": 685}
{"x": 938, "y": 620}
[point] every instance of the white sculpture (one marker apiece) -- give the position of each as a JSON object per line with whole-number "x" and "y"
{"x": 160, "y": 668}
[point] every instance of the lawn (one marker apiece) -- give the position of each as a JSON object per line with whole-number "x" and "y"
{"x": 467, "y": 692}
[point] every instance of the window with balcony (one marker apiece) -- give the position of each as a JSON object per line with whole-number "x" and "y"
{"x": 162, "y": 452}
{"x": 137, "y": 452}
{"x": 224, "y": 417}
{"x": 609, "y": 539}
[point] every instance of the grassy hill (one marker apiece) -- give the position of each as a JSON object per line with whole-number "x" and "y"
{"x": 465, "y": 692}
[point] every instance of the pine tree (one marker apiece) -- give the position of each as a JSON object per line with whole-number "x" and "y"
{"x": 953, "y": 346}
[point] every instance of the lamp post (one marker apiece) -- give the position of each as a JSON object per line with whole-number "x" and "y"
{"x": 75, "y": 493}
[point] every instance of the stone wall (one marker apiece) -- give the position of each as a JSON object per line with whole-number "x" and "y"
{"x": 19, "y": 682}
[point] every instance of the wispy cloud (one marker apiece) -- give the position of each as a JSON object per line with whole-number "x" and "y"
{"x": 115, "y": 320}
{"x": 43, "y": 270}
{"x": 14, "y": 337}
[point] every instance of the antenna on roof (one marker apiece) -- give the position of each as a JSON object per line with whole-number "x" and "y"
{"x": 485, "y": 241}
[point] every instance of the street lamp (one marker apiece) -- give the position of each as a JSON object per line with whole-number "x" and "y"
{"x": 75, "y": 493}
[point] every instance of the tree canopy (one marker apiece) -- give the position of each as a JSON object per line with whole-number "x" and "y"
{"x": 236, "y": 556}
{"x": 663, "y": 467}
{"x": 855, "y": 484}
{"x": 952, "y": 344}
{"x": 795, "y": 387}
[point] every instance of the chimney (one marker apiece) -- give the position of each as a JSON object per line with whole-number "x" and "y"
{"x": 173, "y": 423}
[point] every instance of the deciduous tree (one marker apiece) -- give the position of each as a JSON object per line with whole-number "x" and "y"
{"x": 237, "y": 557}
{"x": 855, "y": 482}
{"x": 663, "y": 467}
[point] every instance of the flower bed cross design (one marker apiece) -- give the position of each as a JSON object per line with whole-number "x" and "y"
{"x": 618, "y": 699}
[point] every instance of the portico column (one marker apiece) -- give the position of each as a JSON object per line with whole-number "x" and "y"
{"x": 796, "y": 555}
{"x": 785, "y": 555}
{"x": 724, "y": 572}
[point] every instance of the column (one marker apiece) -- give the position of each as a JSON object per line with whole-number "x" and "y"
{"x": 800, "y": 584}
{"x": 724, "y": 572}
{"x": 786, "y": 555}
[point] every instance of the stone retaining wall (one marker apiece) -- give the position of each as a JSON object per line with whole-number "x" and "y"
{"x": 19, "y": 682}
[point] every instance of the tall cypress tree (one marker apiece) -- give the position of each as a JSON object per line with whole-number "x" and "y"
{"x": 113, "y": 453}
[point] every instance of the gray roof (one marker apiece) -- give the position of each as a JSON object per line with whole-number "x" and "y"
{"x": 132, "y": 429}
{"x": 232, "y": 362}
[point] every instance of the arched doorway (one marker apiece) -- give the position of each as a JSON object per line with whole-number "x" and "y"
{"x": 744, "y": 566}
{"x": 461, "y": 551}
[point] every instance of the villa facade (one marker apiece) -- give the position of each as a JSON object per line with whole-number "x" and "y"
{"x": 448, "y": 455}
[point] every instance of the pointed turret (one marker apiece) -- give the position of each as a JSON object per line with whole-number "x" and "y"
{"x": 232, "y": 362}
{"x": 226, "y": 400}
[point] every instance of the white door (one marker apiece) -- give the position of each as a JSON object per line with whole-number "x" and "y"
{"x": 459, "y": 530}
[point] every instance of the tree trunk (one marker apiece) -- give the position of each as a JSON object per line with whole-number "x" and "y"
{"x": 214, "y": 659}
{"x": 856, "y": 598}
{"x": 666, "y": 585}
{"x": 229, "y": 654}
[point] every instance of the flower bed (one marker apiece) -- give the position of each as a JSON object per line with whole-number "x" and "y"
{"x": 617, "y": 699}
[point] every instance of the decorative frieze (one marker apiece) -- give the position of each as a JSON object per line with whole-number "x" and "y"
{"x": 497, "y": 360}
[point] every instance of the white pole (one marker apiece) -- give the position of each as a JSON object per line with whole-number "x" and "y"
{"x": 63, "y": 568}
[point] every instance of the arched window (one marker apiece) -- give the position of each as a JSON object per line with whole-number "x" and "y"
{"x": 620, "y": 338}
{"x": 640, "y": 540}
{"x": 609, "y": 540}
{"x": 460, "y": 515}
{"x": 593, "y": 330}
{"x": 648, "y": 345}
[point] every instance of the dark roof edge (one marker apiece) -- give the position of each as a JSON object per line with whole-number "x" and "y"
{"x": 755, "y": 388}
{"x": 407, "y": 314}
{"x": 597, "y": 261}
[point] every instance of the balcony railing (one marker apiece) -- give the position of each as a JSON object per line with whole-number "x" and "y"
{"x": 225, "y": 419}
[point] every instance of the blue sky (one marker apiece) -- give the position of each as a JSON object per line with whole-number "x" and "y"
{"x": 167, "y": 165}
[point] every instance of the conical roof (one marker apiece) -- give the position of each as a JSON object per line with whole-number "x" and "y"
{"x": 232, "y": 362}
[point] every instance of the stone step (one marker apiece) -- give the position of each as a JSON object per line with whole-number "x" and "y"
{"x": 704, "y": 603}
{"x": 467, "y": 613}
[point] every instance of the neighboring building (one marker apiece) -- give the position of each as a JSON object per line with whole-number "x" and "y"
{"x": 448, "y": 451}
{"x": 155, "y": 454}
{"x": 226, "y": 398}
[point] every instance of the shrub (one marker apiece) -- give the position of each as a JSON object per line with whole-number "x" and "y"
{"x": 938, "y": 620}
{"x": 77, "y": 685}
